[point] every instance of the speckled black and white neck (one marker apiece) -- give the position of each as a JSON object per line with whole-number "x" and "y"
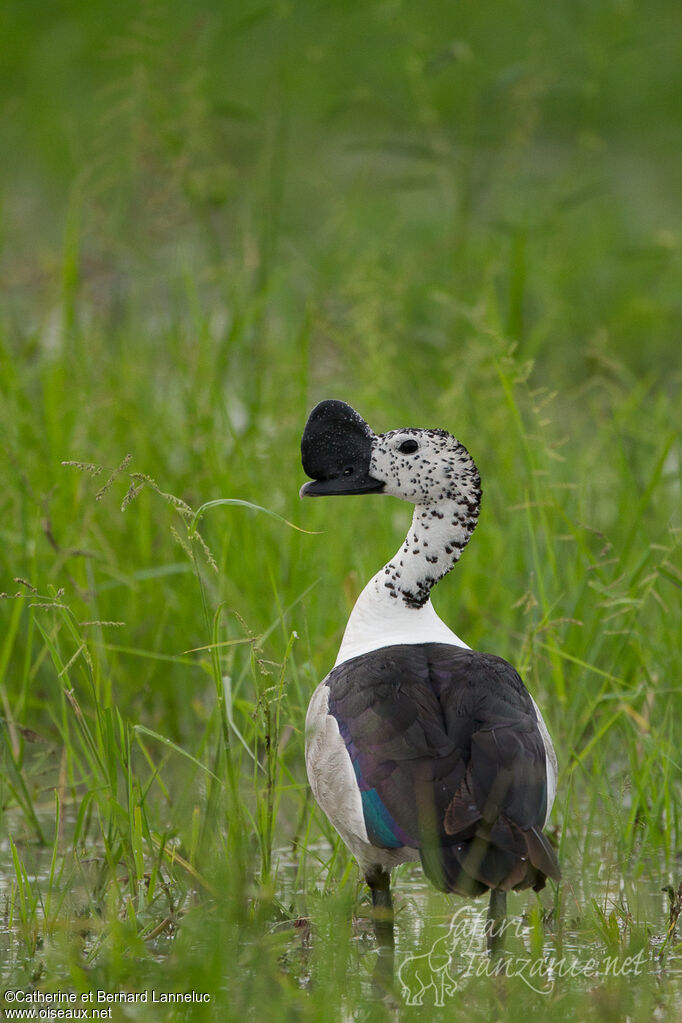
{"x": 432, "y": 470}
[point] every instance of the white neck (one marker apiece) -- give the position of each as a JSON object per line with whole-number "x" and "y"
{"x": 395, "y": 606}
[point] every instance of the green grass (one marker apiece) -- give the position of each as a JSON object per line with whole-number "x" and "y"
{"x": 213, "y": 217}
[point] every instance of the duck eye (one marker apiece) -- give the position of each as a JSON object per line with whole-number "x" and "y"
{"x": 408, "y": 447}
{"x": 348, "y": 471}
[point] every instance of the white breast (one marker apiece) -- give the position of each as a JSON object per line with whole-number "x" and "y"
{"x": 379, "y": 620}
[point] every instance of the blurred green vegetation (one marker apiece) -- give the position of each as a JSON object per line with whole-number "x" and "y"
{"x": 214, "y": 215}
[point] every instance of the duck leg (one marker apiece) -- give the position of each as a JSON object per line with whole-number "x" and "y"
{"x": 497, "y": 915}
{"x": 379, "y": 881}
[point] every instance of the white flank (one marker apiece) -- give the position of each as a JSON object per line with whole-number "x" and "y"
{"x": 330, "y": 771}
{"x": 335, "y": 787}
{"x": 551, "y": 765}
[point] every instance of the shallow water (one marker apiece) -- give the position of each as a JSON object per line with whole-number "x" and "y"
{"x": 616, "y": 929}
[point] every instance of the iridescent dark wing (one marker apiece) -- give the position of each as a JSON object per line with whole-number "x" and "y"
{"x": 449, "y": 760}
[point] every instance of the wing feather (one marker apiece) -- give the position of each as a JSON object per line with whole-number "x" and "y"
{"x": 449, "y": 757}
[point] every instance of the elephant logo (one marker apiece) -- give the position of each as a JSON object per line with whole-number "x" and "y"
{"x": 421, "y": 972}
{"x": 434, "y": 971}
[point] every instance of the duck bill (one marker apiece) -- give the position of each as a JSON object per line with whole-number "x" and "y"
{"x": 341, "y": 487}
{"x": 336, "y": 452}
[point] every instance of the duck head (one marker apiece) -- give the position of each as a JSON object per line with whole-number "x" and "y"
{"x": 342, "y": 455}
